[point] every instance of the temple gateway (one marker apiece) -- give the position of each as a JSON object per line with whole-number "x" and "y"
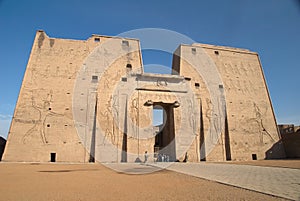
{"x": 91, "y": 101}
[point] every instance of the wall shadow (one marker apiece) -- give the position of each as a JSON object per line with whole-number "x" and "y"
{"x": 276, "y": 151}
{"x": 62, "y": 171}
{"x": 93, "y": 140}
{"x": 124, "y": 139}
{"x": 2, "y": 146}
{"x": 202, "y": 137}
{"x": 227, "y": 141}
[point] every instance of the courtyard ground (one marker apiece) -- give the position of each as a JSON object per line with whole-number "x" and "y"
{"x": 34, "y": 181}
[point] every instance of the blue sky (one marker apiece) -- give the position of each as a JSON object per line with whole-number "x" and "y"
{"x": 269, "y": 27}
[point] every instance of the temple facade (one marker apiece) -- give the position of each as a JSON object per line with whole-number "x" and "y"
{"x": 91, "y": 101}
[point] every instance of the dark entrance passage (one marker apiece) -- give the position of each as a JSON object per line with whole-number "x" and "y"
{"x": 53, "y": 157}
{"x": 165, "y": 146}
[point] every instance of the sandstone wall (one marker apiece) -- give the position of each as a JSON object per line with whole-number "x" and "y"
{"x": 250, "y": 126}
{"x": 43, "y": 120}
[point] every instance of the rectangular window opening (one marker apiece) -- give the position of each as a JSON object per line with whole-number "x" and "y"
{"x": 254, "y": 157}
{"x": 94, "y": 78}
{"x": 97, "y": 39}
{"x": 197, "y": 85}
{"x": 194, "y": 50}
{"x": 125, "y": 43}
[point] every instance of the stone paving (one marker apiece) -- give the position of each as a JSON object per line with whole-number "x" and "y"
{"x": 282, "y": 182}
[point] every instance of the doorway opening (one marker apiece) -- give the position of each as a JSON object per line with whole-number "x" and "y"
{"x": 158, "y": 116}
{"x": 164, "y": 146}
{"x": 53, "y": 157}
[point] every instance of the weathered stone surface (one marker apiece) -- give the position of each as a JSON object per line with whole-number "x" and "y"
{"x": 90, "y": 100}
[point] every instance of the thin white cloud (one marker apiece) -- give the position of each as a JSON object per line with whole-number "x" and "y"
{"x": 289, "y": 120}
{"x": 5, "y": 116}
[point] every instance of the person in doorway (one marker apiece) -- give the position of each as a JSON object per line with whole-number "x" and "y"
{"x": 185, "y": 157}
{"x": 146, "y": 156}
